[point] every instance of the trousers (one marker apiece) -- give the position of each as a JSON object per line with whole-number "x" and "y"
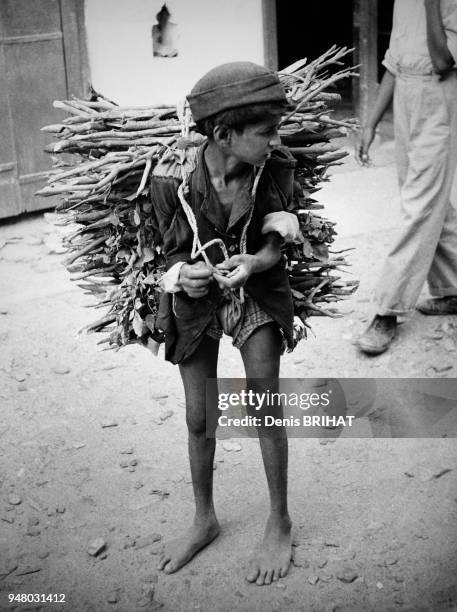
{"x": 425, "y": 125}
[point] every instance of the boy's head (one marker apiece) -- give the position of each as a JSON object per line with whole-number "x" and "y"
{"x": 236, "y": 99}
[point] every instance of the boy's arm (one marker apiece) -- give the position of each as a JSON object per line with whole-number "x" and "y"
{"x": 241, "y": 267}
{"x": 442, "y": 59}
{"x": 383, "y": 98}
{"x": 278, "y": 227}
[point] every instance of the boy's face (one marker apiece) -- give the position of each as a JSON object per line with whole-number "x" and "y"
{"x": 257, "y": 140}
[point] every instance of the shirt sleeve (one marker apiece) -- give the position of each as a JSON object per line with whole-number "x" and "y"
{"x": 173, "y": 226}
{"x": 388, "y": 62}
{"x": 276, "y": 191}
{"x": 450, "y": 26}
{"x": 284, "y": 223}
{"x": 170, "y": 280}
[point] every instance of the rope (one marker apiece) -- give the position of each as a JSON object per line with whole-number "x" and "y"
{"x": 197, "y": 248}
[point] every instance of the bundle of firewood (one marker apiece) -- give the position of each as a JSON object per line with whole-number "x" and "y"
{"x": 113, "y": 243}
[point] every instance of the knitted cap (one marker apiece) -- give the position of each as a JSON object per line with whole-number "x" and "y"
{"x": 234, "y": 85}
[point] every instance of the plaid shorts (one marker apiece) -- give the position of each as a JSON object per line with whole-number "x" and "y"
{"x": 253, "y": 317}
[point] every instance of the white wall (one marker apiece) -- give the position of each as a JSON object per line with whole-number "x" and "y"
{"x": 211, "y": 32}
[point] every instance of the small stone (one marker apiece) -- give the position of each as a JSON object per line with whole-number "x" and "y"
{"x": 14, "y": 499}
{"x": 60, "y": 509}
{"x": 325, "y": 577}
{"x": 33, "y": 531}
{"x": 144, "y": 541}
{"x": 347, "y": 574}
{"x": 433, "y": 336}
{"x": 131, "y": 468}
{"x": 323, "y": 441}
{"x": 96, "y": 547}
{"x": 321, "y": 563}
{"x": 159, "y": 396}
{"x": 78, "y": 445}
{"x": 127, "y": 451}
{"x": 148, "y": 591}
{"x": 438, "y": 369}
{"x": 390, "y": 560}
{"x": 280, "y": 585}
{"x": 44, "y": 554}
{"x": 8, "y": 519}
{"x": 313, "y": 579}
{"x": 138, "y": 485}
{"x": 124, "y": 463}
{"x": 166, "y": 414}
{"x": 442, "y": 472}
{"x": 22, "y": 387}
{"x": 61, "y": 370}
{"x": 161, "y": 492}
{"x": 19, "y": 377}
{"x": 230, "y": 446}
{"x": 3, "y": 311}
{"x": 379, "y": 585}
{"x": 133, "y": 462}
{"x": 300, "y": 557}
{"x": 399, "y": 579}
{"x": 108, "y": 423}
{"x": 113, "y": 597}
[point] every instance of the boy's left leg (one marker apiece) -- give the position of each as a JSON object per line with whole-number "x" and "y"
{"x": 271, "y": 559}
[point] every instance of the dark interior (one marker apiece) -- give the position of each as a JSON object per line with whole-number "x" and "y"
{"x": 307, "y": 29}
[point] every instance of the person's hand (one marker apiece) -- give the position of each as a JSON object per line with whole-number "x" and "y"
{"x": 195, "y": 278}
{"x": 234, "y": 272}
{"x": 363, "y": 146}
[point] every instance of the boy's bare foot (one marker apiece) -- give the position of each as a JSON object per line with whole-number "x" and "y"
{"x": 180, "y": 551}
{"x": 271, "y": 559}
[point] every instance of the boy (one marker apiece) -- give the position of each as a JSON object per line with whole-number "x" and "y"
{"x": 238, "y": 193}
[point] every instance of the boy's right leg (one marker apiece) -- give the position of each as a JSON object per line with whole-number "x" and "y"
{"x": 194, "y": 373}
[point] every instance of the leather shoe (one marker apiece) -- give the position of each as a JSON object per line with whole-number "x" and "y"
{"x": 378, "y": 336}
{"x": 438, "y": 306}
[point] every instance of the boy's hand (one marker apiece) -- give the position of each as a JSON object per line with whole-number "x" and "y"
{"x": 235, "y": 271}
{"x": 195, "y": 278}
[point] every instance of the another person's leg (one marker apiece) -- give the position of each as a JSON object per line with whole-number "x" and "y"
{"x": 442, "y": 277}
{"x": 271, "y": 559}
{"x": 422, "y": 136}
{"x": 194, "y": 372}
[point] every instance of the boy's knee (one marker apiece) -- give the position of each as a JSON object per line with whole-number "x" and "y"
{"x": 196, "y": 423}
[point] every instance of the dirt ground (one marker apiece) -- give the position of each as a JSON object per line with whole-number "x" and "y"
{"x": 93, "y": 445}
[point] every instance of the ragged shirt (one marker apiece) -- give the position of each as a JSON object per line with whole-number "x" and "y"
{"x": 184, "y": 319}
{"x": 408, "y": 51}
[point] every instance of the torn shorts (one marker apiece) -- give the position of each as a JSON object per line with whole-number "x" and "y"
{"x": 253, "y": 317}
